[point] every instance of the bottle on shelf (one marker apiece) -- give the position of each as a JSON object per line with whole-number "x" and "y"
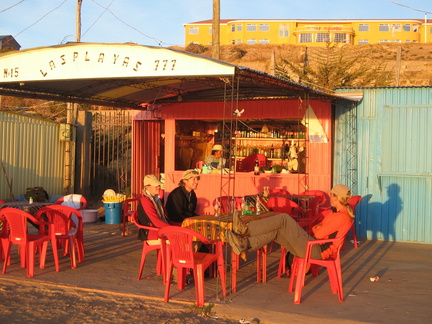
{"x": 272, "y": 151}
{"x": 243, "y": 206}
{"x": 216, "y": 208}
{"x": 31, "y": 200}
{"x": 256, "y": 168}
{"x": 258, "y": 207}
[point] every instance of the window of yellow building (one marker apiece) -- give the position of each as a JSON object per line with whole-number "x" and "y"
{"x": 283, "y": 30}
{"x": 306, "y": 38}
{"x": 264, "y": 27}
{"x": 251, "y": 41}
{"x": 407, "y": 27}
{"x": 364, "y": 27}
{"x": 340, "y": 38}
{"x": 251, "y": 27}
{"x": 384, "y": 27}
{"x": 396, "y": 27}
{"x": 363, "y": 41}
{"x": 239, "y": 27}
{"x": 233, "y": 28}
{"x": 193, "y": 30}
{"x": 264, "y": 41}
{"x": 210, "y": 30}
{"x": 323, "y": 38}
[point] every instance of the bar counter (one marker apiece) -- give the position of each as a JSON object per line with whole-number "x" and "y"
{"x": 246, "y": 183}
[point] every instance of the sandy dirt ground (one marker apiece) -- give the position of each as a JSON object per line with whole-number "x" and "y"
{"x": 104, "y": 288}
{"x": 35, "y": 303}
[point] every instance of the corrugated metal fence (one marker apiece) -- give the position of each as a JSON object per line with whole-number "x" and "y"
{"x": 32, "y": 155}
{"x": 394, "y": 160}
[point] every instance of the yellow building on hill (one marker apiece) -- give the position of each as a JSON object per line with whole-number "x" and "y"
{"x": 311, "y": 32}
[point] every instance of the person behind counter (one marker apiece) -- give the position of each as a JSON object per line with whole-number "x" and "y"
{"x": 215, "y": 160}
{"x": 182, "y": 201}
{"x": 150, "y": 208}
{"x": 284, "y": 230}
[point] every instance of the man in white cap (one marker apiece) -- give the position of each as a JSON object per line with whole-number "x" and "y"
{"x": 150, "y": 209}
{"x": 215, "y": 160}
{"x": 182, "y": 201}
{"x": 284, "y": 230}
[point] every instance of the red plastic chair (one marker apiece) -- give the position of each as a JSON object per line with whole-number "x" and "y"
{"x": 180, "y": 254}
{"x": 75, "y": 201}
{"x": 129, "y": 212}
{"x": 78, "y": 224}
{"x": 248, "y": 163}
{"x": 321, "y": 201}
{"x": 279, "y": 192}
{"x": 62, "y": 229}
{"x": 284, "y": 205}
{"x": 324, "y": 198}
{"x": 333, "y": 265}
{"x": 199, "y": 165}
{"x": 16, "y": 222}
{"x": 226, "y": 203}
{"x": 353, "y": 202}
{"x": 148, "y": 246}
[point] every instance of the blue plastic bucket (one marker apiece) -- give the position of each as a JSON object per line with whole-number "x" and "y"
{"x": 113, "y": 213}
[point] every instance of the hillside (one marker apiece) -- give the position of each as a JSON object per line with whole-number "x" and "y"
{"x": 415, "y": 66}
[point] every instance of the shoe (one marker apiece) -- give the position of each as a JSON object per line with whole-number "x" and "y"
{"x": 239, "y": 227}
{"x": 239, "y": 244}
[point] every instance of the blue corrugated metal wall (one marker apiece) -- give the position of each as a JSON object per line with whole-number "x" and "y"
{"x": 394, "y": 162}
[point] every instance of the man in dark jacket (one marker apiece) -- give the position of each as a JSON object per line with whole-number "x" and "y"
{"x": 182, "y": 201}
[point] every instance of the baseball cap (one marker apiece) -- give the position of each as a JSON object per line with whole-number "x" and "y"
{"x": 151, "y": 180}
{"x": 189, "y": 174}
{"x": 217, "y": 147}
{"x": 341, "y": 190}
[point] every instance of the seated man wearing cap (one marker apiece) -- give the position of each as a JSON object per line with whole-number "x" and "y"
{"x": 182, "y": 201}
{"x": 215, "y": 160}
{"x": 284, "y": 230}
{"x": 150, "y": 209}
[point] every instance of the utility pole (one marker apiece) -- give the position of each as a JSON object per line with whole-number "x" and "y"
{"x": 78, "y": 21}
{"x": 216, "y": 30}
{"x": 71, "y": 116}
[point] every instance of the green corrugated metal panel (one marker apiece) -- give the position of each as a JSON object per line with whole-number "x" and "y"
{"x": 394, "y": 162}
{"x": 32, "y": 155}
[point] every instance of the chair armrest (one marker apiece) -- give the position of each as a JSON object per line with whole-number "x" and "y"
{"x": 151, "y": 228}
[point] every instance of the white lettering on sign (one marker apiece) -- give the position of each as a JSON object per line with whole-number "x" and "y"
{"x": 124, "y": 61}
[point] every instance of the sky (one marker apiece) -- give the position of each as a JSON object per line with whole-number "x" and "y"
{"x": 35, "y": 23}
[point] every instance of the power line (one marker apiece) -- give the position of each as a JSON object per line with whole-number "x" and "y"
{"x": 159, "y": 42}
{"x": 41, "y": 18}
{"x": 16, "y": 4}
{"x": 409, "y": 7}
{"x": 105, "y": 10}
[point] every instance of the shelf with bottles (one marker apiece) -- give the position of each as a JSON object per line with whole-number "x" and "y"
{"x": 285, "y": 132}
{"x": 273, "y": 150}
